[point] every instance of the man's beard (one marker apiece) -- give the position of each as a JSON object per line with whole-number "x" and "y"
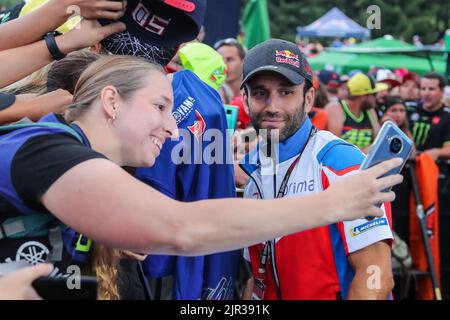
{"x": 366, "y": 106}
{"x": 292, "y": 123}
{"x": 432, "y": 106}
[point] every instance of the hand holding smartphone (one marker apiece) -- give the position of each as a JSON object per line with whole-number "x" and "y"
{"x": 62, "y": 288}
{"x": 391, "y": 142}
{"x": 56, "y": 288}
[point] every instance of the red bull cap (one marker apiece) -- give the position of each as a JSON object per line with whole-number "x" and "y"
{"x": 279, "y": 56}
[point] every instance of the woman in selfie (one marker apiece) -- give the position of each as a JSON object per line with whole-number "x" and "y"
{"x": 121, "y": 115}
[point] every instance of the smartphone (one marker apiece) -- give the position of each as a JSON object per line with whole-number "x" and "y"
{"x": 231, "y": 113}
{"x": 62, "y": 288}
{"x": 391, "y": 142}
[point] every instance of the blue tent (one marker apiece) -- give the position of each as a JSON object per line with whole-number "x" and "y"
{"x": 334, "y": 24}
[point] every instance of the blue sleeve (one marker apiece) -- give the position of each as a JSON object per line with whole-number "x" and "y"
{"x": 162, "y": 176}
{"x": 339, "y": 155}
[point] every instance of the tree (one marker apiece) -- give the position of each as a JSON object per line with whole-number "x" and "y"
{"x": 7, "y": 4}
{"x": 400, "y": 18}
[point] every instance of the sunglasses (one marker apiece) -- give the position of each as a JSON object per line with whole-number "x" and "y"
{"x": 227, "y": 41}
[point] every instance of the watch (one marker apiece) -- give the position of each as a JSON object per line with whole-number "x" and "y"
{"x": 52, "y": 46}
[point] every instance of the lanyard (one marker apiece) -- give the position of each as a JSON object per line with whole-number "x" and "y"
{"x": 291, "y": 168}
{"x": 266, "y": 247}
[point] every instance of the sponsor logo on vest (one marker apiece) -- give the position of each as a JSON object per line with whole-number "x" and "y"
{"x": 199, "y": 126}
{"x": 32, "y": 251}
{"x": 436, "y": 120}
{"x": 223, "y": 290}
{"x": 420, "y": 132}
{"x": 183, "y": 111}
{"x": 368, "y": 226}
{"x": 218, "y": 74}
{"x": 299, "y": 187}
{"x": 415, "y": 116}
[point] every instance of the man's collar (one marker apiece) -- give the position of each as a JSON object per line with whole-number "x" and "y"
{"x": 441, "y": 107}
{"x": 287, "y": 148}
{"x": 292, "y": 146}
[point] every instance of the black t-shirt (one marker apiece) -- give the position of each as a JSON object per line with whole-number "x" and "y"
{"x": 36, "y": 165}
{"x": 42, "y": 160}
{"x": 429, "y": 129}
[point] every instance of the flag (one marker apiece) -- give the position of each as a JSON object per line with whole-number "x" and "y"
{"x": 256, "y": 23}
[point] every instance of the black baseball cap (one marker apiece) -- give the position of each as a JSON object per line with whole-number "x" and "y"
{"x": 125, "y": 43}
{"x": 167, "y": 23}
{"x": 330, "y": 78}
{"x": 279, "y": 56}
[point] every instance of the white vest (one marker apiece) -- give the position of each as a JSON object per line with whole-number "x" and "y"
{"x": 307, "y": 178}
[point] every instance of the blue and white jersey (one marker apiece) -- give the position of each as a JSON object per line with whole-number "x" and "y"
{"x": 312, "y": 264}
{"x": 199, "y": 112}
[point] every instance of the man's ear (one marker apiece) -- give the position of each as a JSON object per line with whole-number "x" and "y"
{"x": 109, "y": 98}
{"x": 245, "y": 99}
{"x": 309, "y": 99}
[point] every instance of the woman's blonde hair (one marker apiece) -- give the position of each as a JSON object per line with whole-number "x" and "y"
{"x": 65, "y": 73}
{"x": 125, "y": 73}
{"x": 105, "y": 261}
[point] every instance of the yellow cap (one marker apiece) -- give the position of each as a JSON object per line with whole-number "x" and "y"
{"x": 361, "y": 85}
{"x": 32, "y": 5}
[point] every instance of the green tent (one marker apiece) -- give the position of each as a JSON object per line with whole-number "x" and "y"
{"x": 383, "y": 43}
{"x": 383, "y": 52}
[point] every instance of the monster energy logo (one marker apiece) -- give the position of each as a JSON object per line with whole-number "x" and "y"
{"x": 420, "y": 132}
{"x": 359, "y": 137}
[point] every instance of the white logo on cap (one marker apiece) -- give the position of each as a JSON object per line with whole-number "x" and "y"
{"x": 150, "y": 21}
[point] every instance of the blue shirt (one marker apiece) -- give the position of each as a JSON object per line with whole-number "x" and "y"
{"x": 197, "y": 108}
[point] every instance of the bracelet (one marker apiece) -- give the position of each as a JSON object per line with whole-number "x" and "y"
{"x": 52, "y": 46}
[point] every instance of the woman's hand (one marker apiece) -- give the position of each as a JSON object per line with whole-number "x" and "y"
{"x": 97, "y": 9}
{"x": 90, "y": 33}
{"x": 53, "y": 102}
{"x": 17, "y": 285}
{"x": 355, "y": 196}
